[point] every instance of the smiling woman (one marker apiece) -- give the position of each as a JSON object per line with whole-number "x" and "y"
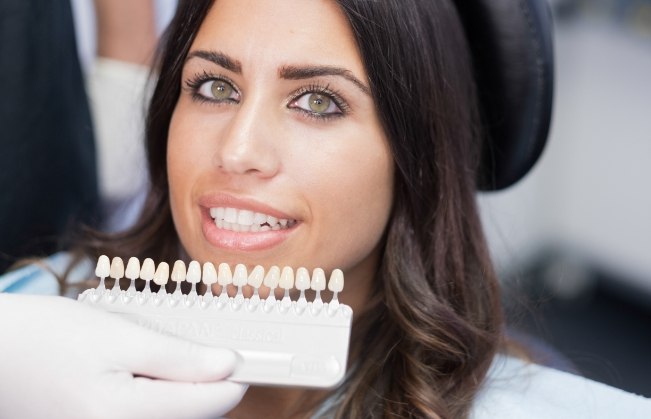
{"x": 337, "y": 134}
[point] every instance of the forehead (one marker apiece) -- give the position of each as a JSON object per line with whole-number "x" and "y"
{"x": 276, "y": 32}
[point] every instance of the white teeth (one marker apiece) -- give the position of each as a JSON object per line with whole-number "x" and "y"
{"x": 147, "y": 270}
{"x": 194, "y": 272}
{"x": 103, "y": 268}
{"x": 336, "y": 283}
{"x": 318, "y": 280}
{"x": 117, "y": 268}
{"x": 225, "y": 276}
{"x": 247, "y": 220}
{"x": 272, "y": 278}
{"x": 209, "y": 276}
{"x": 178, "y": 271}
{"x": 286, "y": 278}
{"x": 162, "y": 273}
{"x": 240, "y": 275}
{"x": 302, "y": 279}
{"x": 256, "y": 276}
{"x": 133, "y": 268}
{"x": 230, "y": 215}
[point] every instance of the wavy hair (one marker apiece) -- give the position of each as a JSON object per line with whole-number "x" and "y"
{"x": 434, "y": 324}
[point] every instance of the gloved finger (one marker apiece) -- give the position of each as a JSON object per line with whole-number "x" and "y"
{"x": 165, "y": 399}
{"x": 164, "y": 357}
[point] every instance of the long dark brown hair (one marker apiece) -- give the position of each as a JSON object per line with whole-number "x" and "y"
{"x": 423, "y": 347}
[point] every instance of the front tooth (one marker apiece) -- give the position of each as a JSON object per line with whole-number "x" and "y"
{"x": 286, "y": 278}
{"x": 133, "y": 268}
{"x": 147, "y": 270}
{"x": 194, "y": 272}
{"x": 162, "y": 273}
{"x": 225, "y": 276}
{"x": 256, "y": 276}
{"x": 245, "y": 217}
{"x": 230, "y": 215}
{"x": 336, "y": 283}
{"x": 240, "y": 275}
{"x": 209, "y": 276}
{"x": 302, "y": 279}
{"x": 103, "y": 268}
{"x": 272, "y": 277}
{"x": 117, "y": 268}
{"x": 259, "y": 218}
{"x": 178, "y": 271}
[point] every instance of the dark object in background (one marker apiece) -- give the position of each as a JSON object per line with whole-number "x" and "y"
{"x": 47, "y": 157}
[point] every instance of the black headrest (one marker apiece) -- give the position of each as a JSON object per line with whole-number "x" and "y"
{"x": 511, "y": 42}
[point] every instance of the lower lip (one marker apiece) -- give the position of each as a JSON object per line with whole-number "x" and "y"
{"x": 241, "y": 241}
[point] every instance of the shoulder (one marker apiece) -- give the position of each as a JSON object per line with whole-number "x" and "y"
{"x": 41, "y": 277}
{"x": 517, "y": 389}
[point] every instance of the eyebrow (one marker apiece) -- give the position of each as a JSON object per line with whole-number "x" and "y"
{"x": 288, "y": 72}
{"x": 298, "y": 73}
{"x": 218, "y": 58}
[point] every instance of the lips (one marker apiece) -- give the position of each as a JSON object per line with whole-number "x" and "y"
{"x": 244, "y": 225}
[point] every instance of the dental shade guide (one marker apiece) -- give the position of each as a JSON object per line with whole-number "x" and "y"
{"x": 279, "y": 342}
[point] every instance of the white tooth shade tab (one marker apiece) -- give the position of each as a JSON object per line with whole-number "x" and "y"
{"x": 193, "y": 275}
{"x": 272, "y": 278}
{"x": 240, "y": 275}
{"x": 147, "y": 270}
{"x": 336, "y": 283}
{"x": 209, "y": 276}
{"x": 318, "y": 280}
{"x": 256, "y": 277}
{"x": 133, "y": 269}
{"x": 103, "y": 268}
{"x": 117, "y": 268}
{"x": 224, "y": 276}
{"x": 302, "y": 279}
{"x": 178, "y": 271}
{"x": 286, "y": 278}
{"x": 162, "y": 274}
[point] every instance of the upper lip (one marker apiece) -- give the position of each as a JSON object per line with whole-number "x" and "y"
{"x": 230, "y": 201}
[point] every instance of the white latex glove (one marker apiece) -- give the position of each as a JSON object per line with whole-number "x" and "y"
{"x": 62, "y": 359}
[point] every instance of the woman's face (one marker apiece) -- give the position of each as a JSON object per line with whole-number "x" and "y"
{"x": 276, "y": 155}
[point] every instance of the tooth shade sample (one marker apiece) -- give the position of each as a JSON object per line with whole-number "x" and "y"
{"x": 178, "y": 271}
{"x": 147, "y": 270}
{"x": 133, "y": 268}
{"x": 336, "y": 283}
{"x": 318, "y": 280}
{"x": 240, "y": 275}
{"x": 103, "y": 268}
{"x": 209, "y": 276}
{"x": 162, "y": 273}
{"x": 302, "y": 279}
{"x": 225, "y": 276}
{"x": 272, "y": 278}
{"x": 193, "y": 275}
{"x": 286, "y": 278}
{"x": 117, "y": 268}
{"x": 256, "y": 276}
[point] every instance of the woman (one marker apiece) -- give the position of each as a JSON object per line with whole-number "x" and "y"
{"x": 354, "y": 126}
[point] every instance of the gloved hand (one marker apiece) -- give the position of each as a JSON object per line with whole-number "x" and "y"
{"x": 62, "y": 359}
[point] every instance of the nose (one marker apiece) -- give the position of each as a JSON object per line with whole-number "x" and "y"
{"x": 247, "y": 145}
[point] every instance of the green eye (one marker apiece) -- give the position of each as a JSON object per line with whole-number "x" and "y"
{"x": 221, "y": 89}
{"x": 319, "y": 103}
